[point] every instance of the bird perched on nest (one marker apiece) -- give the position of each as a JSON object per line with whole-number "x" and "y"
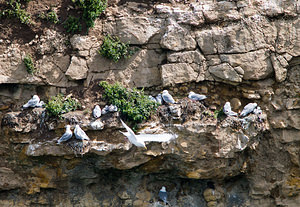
{"x": 196, "y": 97}
{"x": 249, "y": 108}
{"x": 167, "y": 97}
{"x": 163, "y": 195}
{"x": 227, "y": 110}
{"x": 97, "y": 112}
{"x": 66, "y": 136}
{"x": 33, "y": 102}
{"x": 139, "y": 140}
{"x": 159, "y": 99}
{"x": 80, "y": 134}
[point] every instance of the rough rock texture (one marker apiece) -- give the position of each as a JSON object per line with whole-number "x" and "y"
{"x": 238, "y": 51}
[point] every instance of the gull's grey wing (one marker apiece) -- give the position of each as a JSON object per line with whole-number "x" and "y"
{"x": 65, "y": 137}
{"x": 168, "y": 98}
{"x": 198, "y": 97}
{"x": 248, "y": 109}
{"x": 32, "y": 102}
{"x": 163, "y": 196}
{"x": 80, "y": 134}
{"x": 127, "y": 128}
{"x": 156, "y": 137}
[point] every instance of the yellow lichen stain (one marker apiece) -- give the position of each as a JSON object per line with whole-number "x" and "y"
{"x": 193, "y": 174}
{"x": 42, "y": 179}
{"x": 294, "y": 182}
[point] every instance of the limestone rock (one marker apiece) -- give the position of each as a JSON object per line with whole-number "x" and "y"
{"x": 280, "y": 71}
{"x": 44, "y": 149}
{"x": 13, "y": 69}
{"x": 260, "y": 67}
{"x": 136, "y": 30}
{"x": 177, "y": 38}
{"x": 141, "y": 70}
{"x": 96, "y": 125}
{"x": 79, "y": 42}
{"x": 186, "y": 57}
{"x": 78, "y": 69}
{"x": 225, "y": 72}
{"x": 51, "y": 41}
{"x": 177, "y": 73}
{"x": 182, "y": 16}
{"x": 52, "y": 69}
{"x": 205, "y": 41}
{"x": 9, "y": 180}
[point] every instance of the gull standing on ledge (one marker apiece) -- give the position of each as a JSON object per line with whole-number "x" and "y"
{"x": 139, "y": 140}
{"x": 159, "y": 99}
{"x": 97, "y": 112}
{"x": 227, "y": 110}
{"x": 167, "y": 97}
{"x": 80, "y": 134}
{"x": 66, "y": 136}
{"x": 32, "y": 102}
{"x": 163, "y": 195}
{"x": 196, "y": 97}
{"x": 248, "y": 109}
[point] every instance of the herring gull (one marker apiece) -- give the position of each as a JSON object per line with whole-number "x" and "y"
{"x": 159, "y": 99}
{"x": 167, "y": 97}
{"x": 248, "y": 109}
{"x": 163, "y": 194}
{"x": 227, "y": 110}
{"x": 32, "y": 102}
{"x": 80, "y": 134}
{"x": 66, "y": 136}
{"x": 97, "y": 112}
{"x": 140, "y": 139}
{"x": 196, "y": 97}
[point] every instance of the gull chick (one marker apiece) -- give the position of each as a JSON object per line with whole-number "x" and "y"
{"x": 80, "y": 134}
{"x": 248, "y": 109}
{"x": 97, "y": 112}
{"x": 227, "y": 110}
{"x": 66, "y": 136}
{"x": 32, "y": 102}
{"x": 196, "y": 97}
{"x": 167, "y": 97}
{"x": 139, "y": 140}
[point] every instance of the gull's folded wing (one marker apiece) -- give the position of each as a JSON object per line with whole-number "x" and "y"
{"x": 156, "y": 137}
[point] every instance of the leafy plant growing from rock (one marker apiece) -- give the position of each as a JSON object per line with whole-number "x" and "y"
{"x": 29, "y": 64}
{"x": 58, "y": 105}
{"x": 133, "y": 104}
{"x": 72, "y": 25}
{"x": 14, "y": 10}
{"x": 91, "y": 10}
{"x": 50, "y": 16}
{"x": 112, "y": 48}
{"x": 219, "y": 113}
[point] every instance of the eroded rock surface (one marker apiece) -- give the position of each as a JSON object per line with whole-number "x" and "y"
{"x": 237, "y": 51}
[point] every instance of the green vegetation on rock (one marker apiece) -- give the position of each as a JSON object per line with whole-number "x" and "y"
{"x": 50, "y": 16}
{"x": 72, "y": 25}
{"x": 133, "y": 104}
{"x": 14, "y": 10}
{"x": 58, "y": 105}
{"x": 91, "y": 10}
{"x": 112, "y": 48}
{"x": 29, "y": 64}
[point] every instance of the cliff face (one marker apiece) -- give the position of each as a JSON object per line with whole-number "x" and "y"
{"x": 237, "y": 51}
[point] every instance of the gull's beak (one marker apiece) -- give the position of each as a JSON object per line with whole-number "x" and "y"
{"x": 145, "y": 148}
